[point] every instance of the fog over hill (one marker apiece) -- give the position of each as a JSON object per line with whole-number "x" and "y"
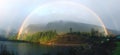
{"x": 62, "y": 26}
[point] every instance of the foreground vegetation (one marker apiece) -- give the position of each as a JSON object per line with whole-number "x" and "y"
{"x": 117, "y": 49}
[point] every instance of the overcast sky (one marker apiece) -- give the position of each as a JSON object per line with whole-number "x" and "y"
{"x": 13, "y": 12}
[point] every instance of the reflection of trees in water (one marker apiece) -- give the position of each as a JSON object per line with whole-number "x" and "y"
{"x": 4, "y": 51}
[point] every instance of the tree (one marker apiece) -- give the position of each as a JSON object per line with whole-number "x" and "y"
{"x": 93, "y": 32}
{"x": 70, "y": 30}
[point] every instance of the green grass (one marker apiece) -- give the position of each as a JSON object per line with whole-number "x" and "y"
{"x": 117, "y": 50}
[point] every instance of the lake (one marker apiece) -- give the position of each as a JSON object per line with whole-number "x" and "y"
{"x": 21, "y": 48}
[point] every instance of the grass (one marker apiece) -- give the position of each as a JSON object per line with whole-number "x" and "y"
{"x": 117, "y": 50}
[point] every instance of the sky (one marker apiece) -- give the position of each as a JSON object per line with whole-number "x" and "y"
{"x": 61, "y": 11}
{"x": 13, "y": 12}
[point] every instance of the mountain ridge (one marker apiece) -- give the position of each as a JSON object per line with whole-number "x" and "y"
{"x": 63, "y": 26}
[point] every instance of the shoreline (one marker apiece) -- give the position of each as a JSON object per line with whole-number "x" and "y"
{"x": 48, "y": 44}
{"x": 60, "y": 44}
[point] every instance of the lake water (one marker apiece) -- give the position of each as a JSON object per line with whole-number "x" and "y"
{"x": 36, "y": 49}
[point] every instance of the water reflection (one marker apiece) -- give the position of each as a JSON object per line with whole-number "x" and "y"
{"x": 14, "y": 48}
{"x": 4, "y": 51}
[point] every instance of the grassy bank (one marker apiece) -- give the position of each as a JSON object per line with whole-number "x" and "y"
{"x": 117, "y": 50}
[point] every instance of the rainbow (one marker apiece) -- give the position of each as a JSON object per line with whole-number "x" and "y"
{"x": 65, "y": 2}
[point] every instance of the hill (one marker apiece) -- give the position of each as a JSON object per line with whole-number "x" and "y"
{"x": 63, "y": 26}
